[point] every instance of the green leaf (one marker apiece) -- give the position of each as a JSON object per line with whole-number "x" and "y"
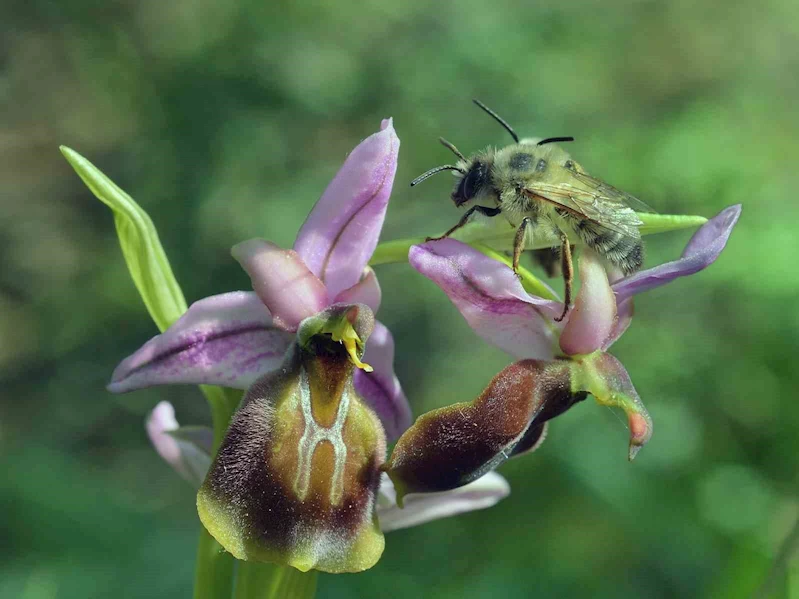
{"x": 141, "y": 247}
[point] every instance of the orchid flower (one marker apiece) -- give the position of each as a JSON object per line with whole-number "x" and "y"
{"x": 235, "y": 338}
{"x": 560, "y": 363}
{"x": 296, "y": 478}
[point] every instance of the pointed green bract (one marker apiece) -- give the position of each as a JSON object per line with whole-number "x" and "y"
{"x": 149, "y": 268}
{"x": 141, "y": 247}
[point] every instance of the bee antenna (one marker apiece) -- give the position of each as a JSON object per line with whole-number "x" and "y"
{"x": 550, "y": 140}
{"x": 433, "y": 171}
{"x": 498, "y": 119}
{"x": 451, "y": 147}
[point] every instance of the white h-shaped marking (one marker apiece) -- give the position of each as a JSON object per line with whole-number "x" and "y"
{"x": 313, "y": 435}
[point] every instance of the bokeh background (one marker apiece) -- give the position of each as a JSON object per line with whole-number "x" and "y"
{"x": 226, "y": 120}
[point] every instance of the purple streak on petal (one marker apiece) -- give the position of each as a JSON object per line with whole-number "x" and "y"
{"x": 381, "y": 389}
{"x": 490, "y": 298}
{"x": 594, "y": 314}
{"x": 341, "y": 232}
{"x": 282, "y": 281}
{"x": 188, "y": 458}
{"x": 366, "y": 291}
{"x": 703, "y": 249}
{"x": 424, "y": 507}
{"x": 226, "y": 339}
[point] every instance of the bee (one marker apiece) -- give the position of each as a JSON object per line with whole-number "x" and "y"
{"x": 547, "y": 197}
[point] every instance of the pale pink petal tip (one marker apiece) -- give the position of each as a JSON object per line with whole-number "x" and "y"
{"x": 366, "y": 291}
{"x": 188, "y": 458}
{"x": 425, "y": 507}
{"x": 282, "y": 280}
{"x": 593, "y": 316}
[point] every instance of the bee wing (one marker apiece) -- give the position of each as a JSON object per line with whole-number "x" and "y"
{"x": 608, "y": 191}
{"x": 600, "y": 204}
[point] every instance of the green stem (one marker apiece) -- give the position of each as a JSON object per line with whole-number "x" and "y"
{"x": 776, "y": 576}
{"x": 394, "y": 252}
{"x": 213, "y": 578}
{"x": 270, "y": 581}
{"x": 476, "y": 232}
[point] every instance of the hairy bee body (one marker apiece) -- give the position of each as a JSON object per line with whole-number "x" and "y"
{"x": 508, "y": 178}
{"x": 549, "y": 199}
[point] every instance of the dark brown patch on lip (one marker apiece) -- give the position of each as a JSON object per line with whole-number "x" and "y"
{"x": 249, "y": 478}
{"x": 452, "y": 446}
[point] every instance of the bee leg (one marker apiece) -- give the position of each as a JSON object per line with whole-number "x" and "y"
{"x": 568, "y": 273}
{"x": 518, "y": 242}
{"x": 484, "y": 210}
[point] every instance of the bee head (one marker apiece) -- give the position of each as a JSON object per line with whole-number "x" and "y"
{"x": 475, "y": 178}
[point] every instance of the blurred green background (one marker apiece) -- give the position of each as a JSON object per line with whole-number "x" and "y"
{"x": 226, "y": 120}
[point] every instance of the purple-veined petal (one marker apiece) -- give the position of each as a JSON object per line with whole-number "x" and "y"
{"x": 341, "y": 232}
{"x": 419, "y": 508}
{"x": 187, "y": 450}
{"x": 226, "y": 339}
{"x": 701, "y": 251}
{"x": 593, "y": 316}
{"x": 283, "y": 282}
{"x": 381, "y": 389}
{"x": 490, "y": 298}
{"x": 366, "y": 291}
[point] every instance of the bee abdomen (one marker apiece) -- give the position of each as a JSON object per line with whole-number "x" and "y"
{"x": 621, "y": 250}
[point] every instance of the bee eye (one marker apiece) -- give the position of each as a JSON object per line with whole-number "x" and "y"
{"x": 569, "y": 164}
{"x": 541, "y": 166}
{"x": 472, "y": 182}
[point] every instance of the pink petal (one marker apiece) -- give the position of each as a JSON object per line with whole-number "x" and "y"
{"x": 490, "y": 298}
{"x": 341, "y": 232}
{"x": 594, "y": 314}
{"x": 186, "y": 453}
{"x": 701, "y": 251}
{"x": 226, "y": 339}
{"x": 282, "y": 281}
{"x": 624, "y": 318}
{"x": 366, "y": 291}
{"x": 381, "y": 389}
{"x": 424, "y": 507}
